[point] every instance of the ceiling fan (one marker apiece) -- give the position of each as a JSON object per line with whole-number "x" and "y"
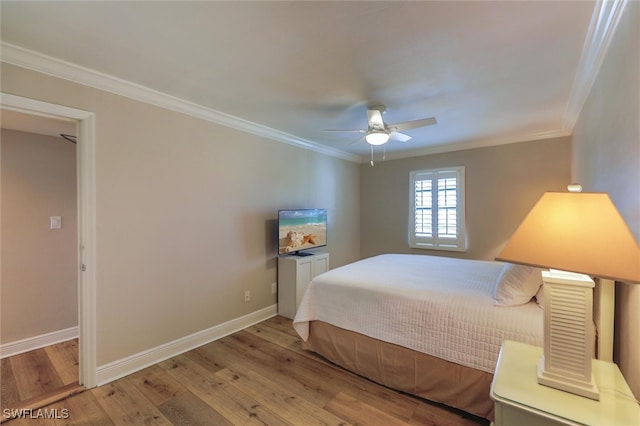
{"x": 379, "y": 133}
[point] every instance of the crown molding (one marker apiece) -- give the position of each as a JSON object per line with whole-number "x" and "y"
{"x": 604, "y": 21}
{"x": 15, "y": 55}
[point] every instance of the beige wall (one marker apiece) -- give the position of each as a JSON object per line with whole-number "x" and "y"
{"x": 502, "y": 184}
{"x": 186, "y": 208}
{"x": 606, "y": 157}
{"x": 186, "y": 213}
{"x": 39, "y": 265}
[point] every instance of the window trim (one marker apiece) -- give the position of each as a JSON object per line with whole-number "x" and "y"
{"x": 436, "y": 242}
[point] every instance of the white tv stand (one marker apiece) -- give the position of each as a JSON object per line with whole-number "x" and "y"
{"x": 294, "y": 275}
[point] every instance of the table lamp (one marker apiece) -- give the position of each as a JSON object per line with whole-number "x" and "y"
{"x": 584, "y": 235}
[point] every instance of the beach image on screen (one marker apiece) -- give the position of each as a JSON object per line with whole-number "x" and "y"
{"x": 301, "y": 229}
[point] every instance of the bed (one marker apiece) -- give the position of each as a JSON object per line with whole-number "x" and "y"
{"x": 426, "y": 325}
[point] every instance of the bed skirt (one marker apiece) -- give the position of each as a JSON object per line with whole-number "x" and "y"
{"x": 404, "y": 369}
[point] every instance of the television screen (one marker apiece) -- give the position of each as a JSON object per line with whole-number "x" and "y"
{"x": 301, "y": 229}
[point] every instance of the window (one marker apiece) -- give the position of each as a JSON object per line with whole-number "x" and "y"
{"x": 437, "y": 209}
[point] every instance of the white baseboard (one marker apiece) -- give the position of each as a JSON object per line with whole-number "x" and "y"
{"x": 125, "y": 366}
{"x": 37, "y": 342}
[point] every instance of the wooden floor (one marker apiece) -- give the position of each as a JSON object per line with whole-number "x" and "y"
{"x": 39, "y": 377}
{"x": 256, "y": 376}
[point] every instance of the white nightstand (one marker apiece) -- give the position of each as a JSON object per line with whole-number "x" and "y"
{"x": 521, "y": 401}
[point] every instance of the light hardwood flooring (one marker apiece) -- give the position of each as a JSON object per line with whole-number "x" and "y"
{"x": 259, "y": 375}
{"x": 39, "y": 377}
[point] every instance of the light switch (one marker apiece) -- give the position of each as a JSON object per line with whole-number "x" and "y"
{"x": 55, "y": 222}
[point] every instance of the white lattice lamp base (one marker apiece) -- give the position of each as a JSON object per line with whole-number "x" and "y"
{"x": 568, "y": 334}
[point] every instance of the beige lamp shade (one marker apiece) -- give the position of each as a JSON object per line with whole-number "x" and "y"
{"x": 576, "y": 232}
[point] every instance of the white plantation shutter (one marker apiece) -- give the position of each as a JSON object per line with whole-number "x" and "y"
{"x": 437, "y": 209}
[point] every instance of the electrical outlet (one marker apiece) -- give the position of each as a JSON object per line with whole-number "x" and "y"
{"x": 247, "y": 295}
{"x": 274, "y": 288}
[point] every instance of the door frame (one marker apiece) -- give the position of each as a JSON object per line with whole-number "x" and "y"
{"x": 86, "y": 184}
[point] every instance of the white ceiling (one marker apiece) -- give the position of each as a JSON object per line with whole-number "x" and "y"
{"x": 490, "y": 72}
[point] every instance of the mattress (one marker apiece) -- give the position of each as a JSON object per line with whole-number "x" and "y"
{"x": 439, "y": 306}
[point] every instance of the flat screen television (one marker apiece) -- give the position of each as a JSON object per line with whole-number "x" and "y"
{"x": 300, "y": 230}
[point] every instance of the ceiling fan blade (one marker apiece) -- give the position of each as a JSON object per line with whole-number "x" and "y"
{"x": 399, "y": 136}
{"x": 415, "y": 124}
{"x": 346, "y": 130}
{"x": 375, "y": 117}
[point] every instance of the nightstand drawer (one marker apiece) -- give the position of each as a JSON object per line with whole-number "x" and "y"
{"x": 510, "y": 415}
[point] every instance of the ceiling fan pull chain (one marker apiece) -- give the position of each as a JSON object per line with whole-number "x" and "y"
{"x": 371, "y": 155}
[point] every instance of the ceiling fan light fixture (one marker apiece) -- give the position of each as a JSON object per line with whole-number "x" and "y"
{"x": 377, "y": 137}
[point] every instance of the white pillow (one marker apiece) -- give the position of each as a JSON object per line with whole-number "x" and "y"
{"x": 517, "y": 284}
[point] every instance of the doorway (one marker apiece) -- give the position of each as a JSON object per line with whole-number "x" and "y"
{"x": 86, "y": 246}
